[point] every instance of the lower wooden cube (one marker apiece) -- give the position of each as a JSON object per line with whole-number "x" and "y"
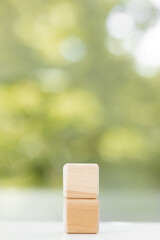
{"x": 81, "y": 215}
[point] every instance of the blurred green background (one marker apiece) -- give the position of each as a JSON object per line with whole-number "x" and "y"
{"x": 79, "y": 82}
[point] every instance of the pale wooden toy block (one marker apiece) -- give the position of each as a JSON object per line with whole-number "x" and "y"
{"x": 80, "y": 180}
{"x": 81, "y": 215}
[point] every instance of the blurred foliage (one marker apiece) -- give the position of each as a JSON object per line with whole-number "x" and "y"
{"x": 65, "y": 98}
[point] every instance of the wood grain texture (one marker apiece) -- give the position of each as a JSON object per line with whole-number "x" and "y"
{"x": 80, "y": 180}
{"x": 81, "y": 215}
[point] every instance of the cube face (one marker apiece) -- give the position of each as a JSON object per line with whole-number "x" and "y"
{"x": 81, "y": 215}
{"x": 81, "y": 180}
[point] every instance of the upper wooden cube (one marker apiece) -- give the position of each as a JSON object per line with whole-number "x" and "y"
{"x": 80, "y": 180}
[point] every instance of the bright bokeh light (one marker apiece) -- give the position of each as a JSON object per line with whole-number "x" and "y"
{"x": 148, "y": 49}
{"x": 156, "y": 3}
{"x": 127, "y": 28}
{"x": 140, "y": 10}
{"x": 73, "y": 49}
{"x": 120, "y": 24}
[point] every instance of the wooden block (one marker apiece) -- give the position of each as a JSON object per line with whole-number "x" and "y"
{"x": 81, "y": 215}
{"x": 80, "y": 180}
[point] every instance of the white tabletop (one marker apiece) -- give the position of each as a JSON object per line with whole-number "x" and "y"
{"x": 54, "y": 231}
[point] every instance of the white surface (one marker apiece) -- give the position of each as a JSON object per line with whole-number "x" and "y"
{"x": 54, "y": 231}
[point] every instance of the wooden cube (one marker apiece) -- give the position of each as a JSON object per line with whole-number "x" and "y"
{"x": 81, "y": 215}
{"x": 80, "y": 180}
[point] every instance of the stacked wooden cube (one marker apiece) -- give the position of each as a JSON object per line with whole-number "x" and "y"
{"x": 81, "y": 190}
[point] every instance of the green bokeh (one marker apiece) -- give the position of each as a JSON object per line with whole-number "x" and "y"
{"x": 56, "y": 107}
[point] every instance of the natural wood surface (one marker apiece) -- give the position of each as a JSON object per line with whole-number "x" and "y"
{"x": 81, "y": 215}
{"x": 81, "y": 180}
